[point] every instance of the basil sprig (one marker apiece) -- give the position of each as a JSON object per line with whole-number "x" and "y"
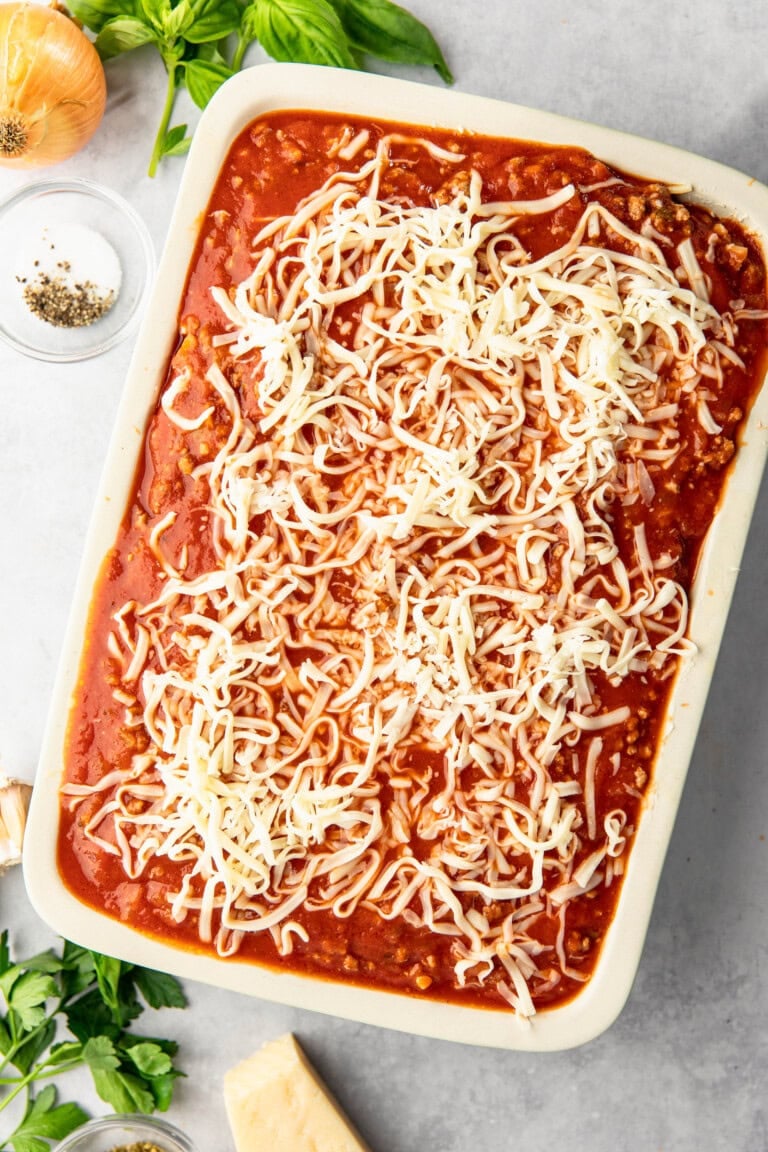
{"x": 379, "y": 28}
{"x": 296, "y": 31}
{"x": 193, "y": 38}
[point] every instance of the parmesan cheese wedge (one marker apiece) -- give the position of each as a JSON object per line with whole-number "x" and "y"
{"x": 275, "y": 1101}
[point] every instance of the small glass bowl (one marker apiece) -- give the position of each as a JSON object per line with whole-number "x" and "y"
{"x": 105, "y": 232}
{"x": 112, "y": 1132}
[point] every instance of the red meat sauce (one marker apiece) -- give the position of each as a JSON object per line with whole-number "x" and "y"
{"x": 273, "y": 164}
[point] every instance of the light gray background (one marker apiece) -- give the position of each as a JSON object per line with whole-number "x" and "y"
{"x": 685, "y": 1066}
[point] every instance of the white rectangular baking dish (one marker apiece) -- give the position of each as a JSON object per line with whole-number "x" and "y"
{"x": 272, "y": 87}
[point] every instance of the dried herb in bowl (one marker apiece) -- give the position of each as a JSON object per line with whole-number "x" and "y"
{"x": 141, "y": 1146}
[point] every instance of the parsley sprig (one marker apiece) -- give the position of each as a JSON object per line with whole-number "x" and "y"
{"x": 194, "y": 38}
{"x": 95, "y": 998}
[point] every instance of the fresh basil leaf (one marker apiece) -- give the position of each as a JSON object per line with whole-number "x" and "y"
{"x": 31, "y": 1051}
{"x": 123, "y": 34}
{"x": 149, "y": 1059}
{"x": 158, "y": 988}
{"x": 95, "y": 13}
{"x": 203, "y": 79}
{"x": 303, "y": 31}
{"x": 28, "y": 996}
{"x": 212, "y": 20}
{"x": 176, "y": 142}
{"x": 210, "y": 52}
{"x": 44, "y": 1122}
{"x": 389, "y": 32}
{"x": 154, "y": 13}
{"x": 176, "y": 21}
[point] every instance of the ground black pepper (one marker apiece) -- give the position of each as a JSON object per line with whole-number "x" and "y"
{"x": 70, "y": 276}
{"x": 59, "y": 301}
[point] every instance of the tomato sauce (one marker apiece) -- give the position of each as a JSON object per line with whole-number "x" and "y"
{"x": 273, "y": 164}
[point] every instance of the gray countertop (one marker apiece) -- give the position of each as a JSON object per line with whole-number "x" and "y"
{"x": 685, "y": 1065}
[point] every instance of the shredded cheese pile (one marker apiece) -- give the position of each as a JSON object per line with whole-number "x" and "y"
{"x": 363, "y": 703}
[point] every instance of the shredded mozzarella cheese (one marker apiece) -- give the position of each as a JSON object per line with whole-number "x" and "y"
{"x": 417, "y": 579}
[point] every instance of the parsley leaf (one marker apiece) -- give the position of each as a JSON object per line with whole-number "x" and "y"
{"x": 27, "y": 998}
{"x": 5, "y": 1039}
{"x": 43, "y": 1122}
{"x": 149, "y": 1059}
{"x": 108, "y": 974}
{"x": 89, "y": 1016}
{"x": 97, "y": 996}
{"x": 159, "y": 989}
{"x": 77, "y": 969}
{"x": 123, "y": 1090}
{"x": 30, "y": 1051}
{"x": 43, "y": 962}
{"x": 100, "y": 1055}
{"x": 5, "y": 955}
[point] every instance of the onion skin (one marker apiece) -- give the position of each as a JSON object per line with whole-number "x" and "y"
{"x": 52, "y": 87}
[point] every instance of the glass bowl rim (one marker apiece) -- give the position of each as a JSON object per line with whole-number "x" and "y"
{"x": 126, "y": 1120}
{"x": 99, "y": 192}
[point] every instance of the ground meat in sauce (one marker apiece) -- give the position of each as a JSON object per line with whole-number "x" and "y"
{"x": 272, "y": 165}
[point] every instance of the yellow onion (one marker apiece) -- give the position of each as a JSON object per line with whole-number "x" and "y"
{"x": 52, "y": 87}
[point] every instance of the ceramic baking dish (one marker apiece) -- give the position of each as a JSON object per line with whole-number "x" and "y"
{"x": 273, "y": 87}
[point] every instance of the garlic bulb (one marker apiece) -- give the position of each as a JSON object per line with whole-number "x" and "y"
{"x": 52, "y": 87}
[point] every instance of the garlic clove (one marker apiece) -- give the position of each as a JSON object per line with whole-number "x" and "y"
{"x": 14, "y": 802}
